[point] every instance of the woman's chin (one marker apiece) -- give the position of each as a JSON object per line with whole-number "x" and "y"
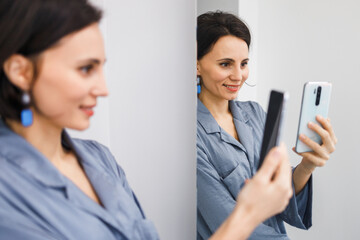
{"x": 232, "y": 97}
{"x": 80, "y": 126}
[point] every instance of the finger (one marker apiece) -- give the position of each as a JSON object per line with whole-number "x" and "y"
{"x": 271, "y": 163}
{"x": 314, "y": 146}
{"x": 317, "y": 161}
{"x": 332, "y": 133}
{"x": 327, "y": 126}
{"x": 282, "y": 180}
{"x": 294, "y": 150}
{"x": 284, "y": 173}
{"x": 325, "y": 136}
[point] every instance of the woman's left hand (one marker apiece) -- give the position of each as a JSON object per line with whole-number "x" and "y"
{"x": 321, "y": 153}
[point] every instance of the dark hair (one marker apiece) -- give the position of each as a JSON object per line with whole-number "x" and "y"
{"x": 28, "y": 27}
{"x": 211, "y": 26}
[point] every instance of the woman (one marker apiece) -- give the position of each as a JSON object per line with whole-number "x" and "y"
{"x": 56, "y": 187}
{"x": 52, "y": 186}
{"x": 229, "y": 133}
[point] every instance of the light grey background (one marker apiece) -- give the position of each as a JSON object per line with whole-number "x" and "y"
{"x": 306, "y": 40}
{"x": 149, "y": 119}
{"x": 204, "y": 6}
{"x": 300, "y": 41}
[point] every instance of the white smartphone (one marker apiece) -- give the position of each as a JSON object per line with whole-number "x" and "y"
{"x": 315, "y": 101}
{"x": 274, "y": 123}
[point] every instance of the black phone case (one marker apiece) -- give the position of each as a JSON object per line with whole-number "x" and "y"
{"x": 273, "y": 124}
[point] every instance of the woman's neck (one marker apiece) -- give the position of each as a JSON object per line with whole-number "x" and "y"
{"x": 43, "y": 135}
{"x": 217, "y": 107}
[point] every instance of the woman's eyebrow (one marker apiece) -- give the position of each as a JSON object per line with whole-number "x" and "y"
{"x": 91, "y": 60}
{"x": 225, "y": 59}
{"x": 231, "y": 60}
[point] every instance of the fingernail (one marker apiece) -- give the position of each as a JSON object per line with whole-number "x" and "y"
{"x": 311, "y": 124}
{"x": 302, "y": 137}
{"x": 320, "y": 117}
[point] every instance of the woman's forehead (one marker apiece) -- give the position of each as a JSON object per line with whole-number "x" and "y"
{"x": 230, "y": 47}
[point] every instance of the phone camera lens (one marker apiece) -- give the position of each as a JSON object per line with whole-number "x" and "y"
{"x": 318, "y": 95}
{"x": 319, "y": 89}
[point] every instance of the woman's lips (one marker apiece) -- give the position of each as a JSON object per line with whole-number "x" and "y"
{"x": 88, "y": 110}
{"x": 232, "y": 88}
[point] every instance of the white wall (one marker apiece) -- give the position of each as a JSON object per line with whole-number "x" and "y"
{"x": 248, "y": 12}
{"x": 307, "y": 40}
{"x": 149, "y": 118}
{"x": 204, "y": 6}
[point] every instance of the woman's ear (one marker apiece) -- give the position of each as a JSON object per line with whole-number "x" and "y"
{"x": 19, "y": 71}
{"x": 197, "y": 68}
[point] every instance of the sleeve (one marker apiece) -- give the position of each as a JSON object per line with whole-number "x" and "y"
{"x": 299, "y": 211}
{"x": 216, "y": 202}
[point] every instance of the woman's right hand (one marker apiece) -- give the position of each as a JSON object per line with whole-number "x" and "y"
{"x": 265, "y": 195}
{"x": 270, "y": 190}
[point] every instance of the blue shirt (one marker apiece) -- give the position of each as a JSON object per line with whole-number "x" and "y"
{"x": 223, "y": 165}
{"x": 38, "y": 202}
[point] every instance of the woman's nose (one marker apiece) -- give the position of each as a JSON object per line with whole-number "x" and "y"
{"x": 100, "y": 88}
{"x": 237, "y": 74}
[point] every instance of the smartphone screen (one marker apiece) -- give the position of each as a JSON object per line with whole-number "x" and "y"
{"x": 315, "y": 101}
{"x": 273, "y": 124}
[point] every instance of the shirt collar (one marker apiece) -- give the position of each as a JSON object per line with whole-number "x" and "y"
{"x": 206, "y": 120}
{"x": 209, "y": 123}
{"x": 238, "y": 113}
{"x": 20, "y": 152}
{"x": 16, "y": 150}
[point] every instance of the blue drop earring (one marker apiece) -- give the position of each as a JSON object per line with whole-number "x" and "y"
{"x": 198, "y": 80}
{"x": 26, "y": 114}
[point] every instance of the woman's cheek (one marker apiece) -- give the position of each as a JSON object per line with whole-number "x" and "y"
{"x": 246, "y": 75}
{"x": 220, "y": 76}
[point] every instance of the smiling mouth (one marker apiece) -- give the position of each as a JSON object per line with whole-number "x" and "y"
{"x": 88, "y": 110}
{"x": 232, "y": 88}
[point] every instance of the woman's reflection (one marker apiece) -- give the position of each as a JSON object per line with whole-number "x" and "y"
{"x": 229, "y": 133}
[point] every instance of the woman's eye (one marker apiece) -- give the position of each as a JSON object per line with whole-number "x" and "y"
{"x": 244, "y": 64}
{"x": 86, "y": 69}
{"x": 225, "y": 64}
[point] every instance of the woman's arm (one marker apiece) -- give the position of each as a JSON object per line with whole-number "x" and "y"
{"x": 320, "y": 154}
{"x": 265, "y": 195}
